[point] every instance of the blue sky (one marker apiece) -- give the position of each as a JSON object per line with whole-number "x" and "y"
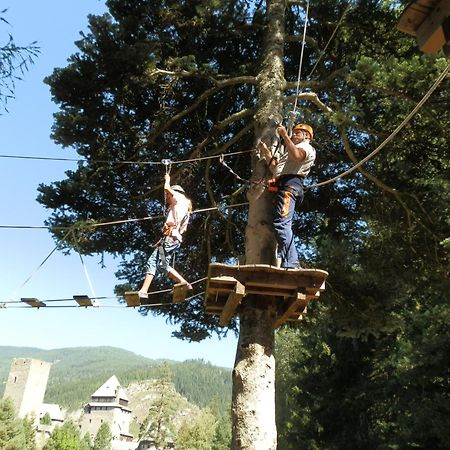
{"x": 25, "y": 130}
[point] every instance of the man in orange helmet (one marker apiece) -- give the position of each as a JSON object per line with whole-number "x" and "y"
{"x": 290, "y": 165}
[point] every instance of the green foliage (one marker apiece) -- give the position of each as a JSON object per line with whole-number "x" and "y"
{"x": 30, "y": 434}
{"x": 158, "y": 426}
{"x": 177, "y": 79}
{"x": 86, "y": 442}
{"x": 65, "y": 437}
{"x": 103, "y": 438}
{"x": 46, "y": 419}
{"x": 222, "y": 438}
{"x": 15, "y": 60}
{"x": 198, "y": 433}
{"x": 79, "y": 373}
{"x": 12, "y": 436}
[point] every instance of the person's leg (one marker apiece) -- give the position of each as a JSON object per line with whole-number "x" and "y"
{"x": 174, "y": 275}
{"x": 170, "y": 247}
{"x": 290, "y": 191}
{"x": 143, "y": 292}
{"x": 282, "y": 226}
{"x": 151, "y": 266}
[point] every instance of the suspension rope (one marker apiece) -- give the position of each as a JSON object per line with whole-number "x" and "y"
{"x": 117, "y": 222}
{"x": 300, "y": 64}
{"x": 86, "y": 273}
{"x": 40, "y": 265}
{"x": 392, "y": 135}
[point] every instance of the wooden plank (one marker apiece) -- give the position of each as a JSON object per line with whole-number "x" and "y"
{"x": 414, "y": 15}
{"x": 34, "y": 302}
{"x": 179, "y": 292}
{"x": 132, "y": 299}
{"x": 430, "y": 34}
{"x": 83, "y": 300}
{"x": 227, "y": 285}
{"x": 234, "y": 299}
{"x": 274, "y": 291}
{"x": 298, "y": 302}
{"x": 259, "y": 274}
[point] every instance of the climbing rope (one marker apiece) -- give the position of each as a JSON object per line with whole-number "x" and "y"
{"x": 300, "y": 64}
{"x": 392, "y": 135}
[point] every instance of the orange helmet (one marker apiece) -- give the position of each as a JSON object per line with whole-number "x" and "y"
{"x": 304, "y": 127}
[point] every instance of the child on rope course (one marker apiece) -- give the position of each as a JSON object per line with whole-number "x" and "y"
{"x": 180, "y": 208}
{"x": 290, "y": 165}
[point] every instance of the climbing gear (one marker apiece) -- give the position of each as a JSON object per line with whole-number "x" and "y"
{"x": 297, "y": 93}
{"x": 304, "y": 127}
{"x": 274, "y": 185}
{"x": 167, "y": 229}
{"x": 168, "y": 164}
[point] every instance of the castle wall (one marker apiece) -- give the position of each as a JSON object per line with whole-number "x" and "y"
{"x": 26, "y": 385}
{"x": 117, "y": 419}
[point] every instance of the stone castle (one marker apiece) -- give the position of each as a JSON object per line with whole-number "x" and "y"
{"x": 26, "y": 386}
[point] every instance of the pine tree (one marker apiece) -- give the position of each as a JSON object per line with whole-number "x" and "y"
{"x": 197, "y": 432}
{"x": 190, "y": 79}
{"x": 103, "y": 438}
{"x": 14, "y": 62}
{"x": 86, "y": 442}
{"x": 29, "y": 433}
{"x": 65, "y": 437}
{"x": 12, "y": 436}
{"x": 158, "y": 426}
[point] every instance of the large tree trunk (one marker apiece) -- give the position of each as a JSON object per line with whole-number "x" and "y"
{"x": 253, "y": 408}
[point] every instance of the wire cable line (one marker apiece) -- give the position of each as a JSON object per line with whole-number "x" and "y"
{"x": 144, "y": 163}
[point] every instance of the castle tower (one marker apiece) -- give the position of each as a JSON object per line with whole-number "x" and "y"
{"x": 109, "y": 404}
{"x": 26, "y": 385}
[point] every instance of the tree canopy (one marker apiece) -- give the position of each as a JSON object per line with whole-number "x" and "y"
{"x": 179, "y": 80}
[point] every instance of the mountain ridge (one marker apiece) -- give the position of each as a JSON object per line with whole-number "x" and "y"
{"x": 78, "y": 371}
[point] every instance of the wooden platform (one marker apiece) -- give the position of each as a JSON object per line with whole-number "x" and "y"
{"x": 292, "y": 289}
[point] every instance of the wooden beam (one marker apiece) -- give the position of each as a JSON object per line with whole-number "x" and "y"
{"x": 83, "y": 300}
{"x": 132, "y": 299}
{"x": 179, "y": 292}
{"x": 430, "y": 34}
{"x": 298, "y": 302}
{"x": 233, "y": 301}
{"x": 34, "y": 302}
{"x": 414, "y": 15}
{"x": 260, "y": 275}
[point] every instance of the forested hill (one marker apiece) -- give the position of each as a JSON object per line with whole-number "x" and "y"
{"x": 77, "y": 372}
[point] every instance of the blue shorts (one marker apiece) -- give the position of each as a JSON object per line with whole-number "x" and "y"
{"x": 159, "y": 260}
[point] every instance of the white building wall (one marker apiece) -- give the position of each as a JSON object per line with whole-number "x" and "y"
{"x": 26, "y": 385}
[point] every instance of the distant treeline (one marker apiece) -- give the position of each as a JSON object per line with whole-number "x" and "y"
{"x": 78, "y": 372}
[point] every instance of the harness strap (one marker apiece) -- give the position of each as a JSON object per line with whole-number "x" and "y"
{"x": 274, "y": 185}
{"x": 162, "y": 255}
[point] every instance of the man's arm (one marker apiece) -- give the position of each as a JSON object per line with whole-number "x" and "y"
{"x": 267, "y": 155}
{"x": 298, "y": 154}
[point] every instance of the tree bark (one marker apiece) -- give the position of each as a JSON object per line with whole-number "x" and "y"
{"x": 253, "y": 408}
